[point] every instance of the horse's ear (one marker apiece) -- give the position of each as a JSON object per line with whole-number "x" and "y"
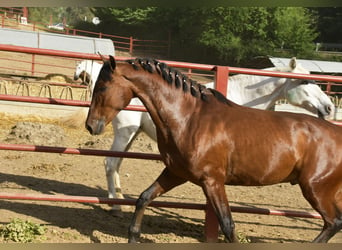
{"x": 293, "y": 63}
{"x": 112, "y": 62}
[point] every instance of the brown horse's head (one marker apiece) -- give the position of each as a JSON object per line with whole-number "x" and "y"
{"x": 105, "y": 103}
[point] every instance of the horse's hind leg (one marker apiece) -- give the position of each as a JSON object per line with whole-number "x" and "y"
{"x": 329, "y": 230}
{"x": 165, "y": 182}
{"x": 325, "y": 196}
{"x": 331, "y": 211}
{"x": 216, "y": 195}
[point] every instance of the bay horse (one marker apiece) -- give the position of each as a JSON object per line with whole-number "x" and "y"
{"x": 255, "y": 91}
{"x": 210, "y": 141}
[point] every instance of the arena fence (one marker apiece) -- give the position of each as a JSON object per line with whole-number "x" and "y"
{"x": 12, "y": 18}
{"x": 221, "y": 79}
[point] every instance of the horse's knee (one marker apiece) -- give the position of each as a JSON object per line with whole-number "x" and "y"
{"x": 143, "y": 200}
{"x": 109, "y": 163}
{"x": 111, "y": 166}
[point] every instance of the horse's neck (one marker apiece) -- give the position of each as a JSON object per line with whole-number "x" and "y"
{"x": 255, "y": 91}
{"x": 165, "y": 104}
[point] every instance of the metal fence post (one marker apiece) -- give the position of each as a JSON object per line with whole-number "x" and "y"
{"x": 221, "y": 79}
{"x": 33, "y": 64}
{"x": 211, "y": 225}
{"x": 130, "y": 45}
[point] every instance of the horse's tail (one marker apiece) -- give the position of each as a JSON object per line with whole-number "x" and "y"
{"x": 76, "y": 119}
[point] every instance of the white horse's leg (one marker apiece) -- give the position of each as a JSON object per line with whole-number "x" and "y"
{"x": 148, "y": 126}
{"x": 126, "y": 126}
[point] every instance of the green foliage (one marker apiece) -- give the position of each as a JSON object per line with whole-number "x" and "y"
{"x": 329, "y": 24}
{"x": 237, "y": 32}
{"x": 72, "y": 15}
{"x": 21, "y": 231}
{"x": 295, "y": 29}
{"x": 244, "y": 32}
{"x": 243, "y": 238}
{"x": 41, "y": 15}
{"x": 231, "y": 34}
{"x": 132, "y": 16}
{"x": 227, "y": 35}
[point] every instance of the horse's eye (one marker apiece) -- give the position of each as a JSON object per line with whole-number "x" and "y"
{"x": 308, "y": 81}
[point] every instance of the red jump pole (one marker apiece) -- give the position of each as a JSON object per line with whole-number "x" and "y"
{"x": 79, "y": 151}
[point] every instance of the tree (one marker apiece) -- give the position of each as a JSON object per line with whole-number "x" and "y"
{"x": 295, "y": 29}
{"x": 72, "y": 15}
{"x": 132, "y": 16}
{"x": 244, "y": 32}
{"x": 329, "y": 24}
{"x": 228, "y": 33}
{"x": 237, "y": 32}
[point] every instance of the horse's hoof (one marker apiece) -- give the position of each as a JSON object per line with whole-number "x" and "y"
{"x": 133, "y": 240}
{"x": 116, "y": 213}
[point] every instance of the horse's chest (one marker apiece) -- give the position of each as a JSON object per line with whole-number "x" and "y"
{"x": 176, "y": 158}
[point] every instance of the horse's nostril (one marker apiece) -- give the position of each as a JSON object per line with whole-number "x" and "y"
{"x": 89, "y": 128}
{"x": 328, "y": 109}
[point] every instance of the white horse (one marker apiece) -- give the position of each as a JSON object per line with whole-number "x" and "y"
{"x": 250, "y": 90}
{"x": 87, "y": 71}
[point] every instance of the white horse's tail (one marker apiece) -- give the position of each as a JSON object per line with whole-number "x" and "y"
{"x": 76, "y": 119}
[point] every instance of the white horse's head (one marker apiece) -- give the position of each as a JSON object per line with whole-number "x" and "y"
{"x": 307, "y": 94}
{"x": 88, "y": 71}
{"x": 83, "y": 71}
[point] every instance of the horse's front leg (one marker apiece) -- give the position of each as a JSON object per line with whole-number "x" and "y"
{"x": 216, "y": 195}
{"x": 165, "y": 182}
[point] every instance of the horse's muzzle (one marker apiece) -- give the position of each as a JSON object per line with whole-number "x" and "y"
{"x": 95, "y": 127}
{"x": 326, "y": 112}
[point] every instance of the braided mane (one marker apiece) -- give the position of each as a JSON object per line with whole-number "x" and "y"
{"x": 173, "y": 76}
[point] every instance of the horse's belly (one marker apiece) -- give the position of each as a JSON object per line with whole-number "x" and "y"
{"x": 262, "y": 170}
{"x": 261, "y": 180}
